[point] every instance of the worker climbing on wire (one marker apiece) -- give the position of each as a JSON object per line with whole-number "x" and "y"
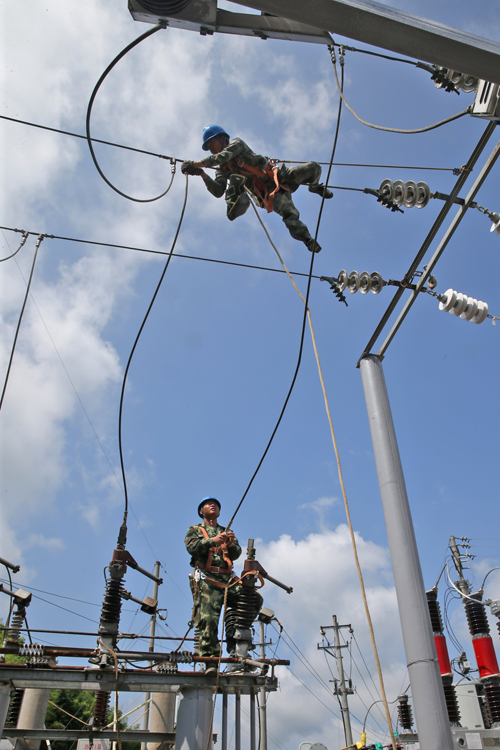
{"x": 213, "y": 550}
{"x": 239, "y": 169}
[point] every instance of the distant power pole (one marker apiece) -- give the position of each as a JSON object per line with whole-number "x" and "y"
{"x": 341, "y": 689}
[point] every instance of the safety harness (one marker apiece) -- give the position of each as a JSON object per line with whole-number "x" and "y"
{"x": 209, "y": 568}
{"x": 259, "y": 187}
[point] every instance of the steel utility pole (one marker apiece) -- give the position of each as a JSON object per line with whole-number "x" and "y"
{"x": 265, "y": 617}
{"x": 342, "y": 689}
{"x": 423, "y": 668}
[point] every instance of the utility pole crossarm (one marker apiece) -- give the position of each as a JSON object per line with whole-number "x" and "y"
{"x": 395, "y": 30}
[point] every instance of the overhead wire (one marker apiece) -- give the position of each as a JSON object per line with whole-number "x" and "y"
{"x": 177, "y": 159}
{"x": 122, "y": 395}
{"x": 394, "y": 130}
{"x": 163, "y": 252}
{"x": 18, "y": 327}
{"x": 89, "y": 112}
{"x": 25, "y": 237}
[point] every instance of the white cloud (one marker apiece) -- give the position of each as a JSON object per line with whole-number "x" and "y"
{"x": 47, "y": 543}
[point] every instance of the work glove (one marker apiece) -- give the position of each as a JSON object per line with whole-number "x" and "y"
{"x": 187, "y": 168}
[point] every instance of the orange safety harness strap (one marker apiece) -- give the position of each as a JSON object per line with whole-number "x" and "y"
{"x": 258, "y": 181}
{"x": 236, "y": 580}
{"x": 223, "y": 548}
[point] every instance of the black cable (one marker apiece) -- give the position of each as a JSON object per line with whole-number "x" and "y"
{"x": 455, "y": 170}
{"x": 89, "y": 111}
{"x": 25, "y": 237}
{"x": 137, "y": 340}
{"x": 38, "y": 242}
{"x": 59, "y": 596}
{"x": 304, "y": 322}
{"x": 161, "y": 252}
{"x": 11, "y": 605}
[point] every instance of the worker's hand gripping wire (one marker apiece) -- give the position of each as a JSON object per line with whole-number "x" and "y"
{"x": 89, "y": 111}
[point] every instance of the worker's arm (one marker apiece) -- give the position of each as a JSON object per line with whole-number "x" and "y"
{"x": 196, "y": 544}
{"x": 215, "y": 186}
{"x": 237, "y": 147}
{"x": 233, "y": 547}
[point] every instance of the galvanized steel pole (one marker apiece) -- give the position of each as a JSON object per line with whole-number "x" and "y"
{"x": 342, "y": 688}
{"x": 263, "y": 694}
{"x": 426, "y": 686}
{"x": 152, "y": 629}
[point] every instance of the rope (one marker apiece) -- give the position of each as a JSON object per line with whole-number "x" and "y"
{"x": 344, "y": 495}
{"x": 381, "y": 127}
{"x": 115, "y": 658}
{"x": 67, "y": 714}
{"x": 89, "y": 111}
{"x": 137, "y": 340}
{"x": 38, "y": 243}
{"x": 310, "y": 275}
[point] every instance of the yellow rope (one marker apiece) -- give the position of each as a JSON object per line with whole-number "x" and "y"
{"x": 344, "y": 495}
{"x": 67, "y": 714}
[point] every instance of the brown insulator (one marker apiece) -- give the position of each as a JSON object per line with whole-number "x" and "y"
{"x": 452, "y": 704}
{"x": 247, "y": 607}
{"x": 112, "y": 604}
{"x": 492, "y": 700}
{"x": 16, "y": 625}
{"x": 101, "y": 708}
{"x": 405, "y": 713}
{"x": 434, "y": 611}
{"x": 14, "y": 708}
{"x": 476, "y": 615}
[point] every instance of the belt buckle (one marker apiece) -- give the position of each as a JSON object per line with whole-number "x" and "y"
{"x": 198, "y": 575}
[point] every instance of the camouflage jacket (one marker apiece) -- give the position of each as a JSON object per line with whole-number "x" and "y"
{"x": 226, "y": 163}
{"x": 198, "y": 546}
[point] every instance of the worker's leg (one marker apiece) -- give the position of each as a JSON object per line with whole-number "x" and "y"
{"x": 208, "y": 602}
{"x": 308, "y": 173}
{"x": 237, "y": 201}
{"x": 284, "y": 206}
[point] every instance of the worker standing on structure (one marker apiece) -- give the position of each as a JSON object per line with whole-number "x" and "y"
{"x": 272, "y": 186}
{"x": 212, "y": 550}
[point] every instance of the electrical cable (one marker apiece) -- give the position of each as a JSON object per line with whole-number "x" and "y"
{"x": 162, "y": 252}
{"x": 486, "y": 576}
{"x": 304, "y": 322}
{"x": 89, "y": 111}
{"x": 25, "y": 237}
{"x": 137, "y": 340}
{"x": 38, "y": 243}
{"x": 455, "y": 170}
{"x": 394, "y": 130}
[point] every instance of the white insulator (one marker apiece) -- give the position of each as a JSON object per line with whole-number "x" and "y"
{"x": 459, "y": 305}
{"x": 353, "y": 282}
{"x": 387, "y": 189}
{"x": 470, "y": 309}
{"x": 342, "y": 280}
{"x": 469, "y": 84}
{"x": 399, "y": 192}
{"x": 411, "y": 194}
{"x": 482, "y": 313}
{"x": 377, "y": 282}
{"x": 365, "y": 282}
{"x": 457, "y": 79}
{"x": 423, "y": 195}
{"x": 447, "y": 300}
{"x": 495, "y": 218}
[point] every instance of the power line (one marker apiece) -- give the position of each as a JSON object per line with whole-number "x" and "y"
{"x": 162, "y": 252}
{"x": 176, "y": 159}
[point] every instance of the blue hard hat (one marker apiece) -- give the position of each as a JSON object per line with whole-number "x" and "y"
{"x": 210, "y": 132}
{"x": 205, "y": 500}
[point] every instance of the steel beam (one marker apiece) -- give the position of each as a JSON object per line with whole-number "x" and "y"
{"x": 442, "y": 245}
{"x": 131, "y": 735}
{"x": 131, "y": 681}
{"x": 393, "y": 29}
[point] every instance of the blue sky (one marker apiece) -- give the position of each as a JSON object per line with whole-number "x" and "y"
{"x": 218, "y": 353}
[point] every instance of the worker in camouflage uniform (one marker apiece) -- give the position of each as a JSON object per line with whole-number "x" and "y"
{"x": 212, "y": 550}
{"x": 238, "y": 168}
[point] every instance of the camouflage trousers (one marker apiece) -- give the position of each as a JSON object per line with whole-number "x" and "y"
{"x": 309, "y": 173}
{"x": 208, "y": 602}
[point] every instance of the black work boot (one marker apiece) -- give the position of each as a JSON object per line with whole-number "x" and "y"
{"x": 321, "y": 190}
{"x": 313, "y": 246}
